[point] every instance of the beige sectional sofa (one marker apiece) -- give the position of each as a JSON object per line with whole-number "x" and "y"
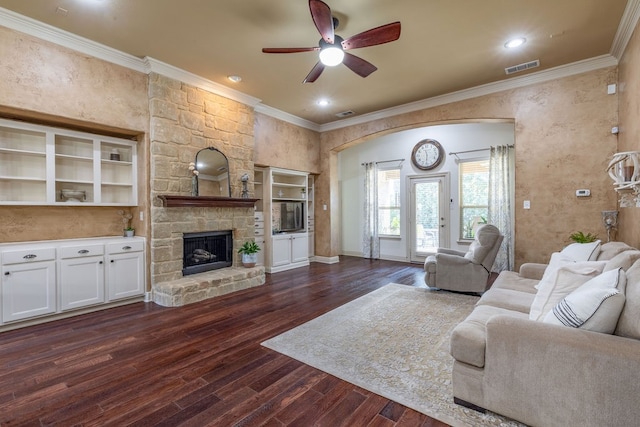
{"x": 543, "y": 374}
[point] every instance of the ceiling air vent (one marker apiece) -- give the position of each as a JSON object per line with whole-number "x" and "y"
{"x": 345, "y": 114}
{"x": 522, "y": 67}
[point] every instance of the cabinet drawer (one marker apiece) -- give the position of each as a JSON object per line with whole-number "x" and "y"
{"x": 123, "y": 247}
{"x": 258, "y": 216}
{"x": 28, "y": 255}
{"x": 78, "y": 251}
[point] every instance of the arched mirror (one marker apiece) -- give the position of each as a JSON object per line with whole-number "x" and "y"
{"x": 213, "y": 173}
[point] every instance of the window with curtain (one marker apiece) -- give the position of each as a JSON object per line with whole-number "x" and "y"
{"x": 389, "y": 202}
{"x": 474, "y": 196}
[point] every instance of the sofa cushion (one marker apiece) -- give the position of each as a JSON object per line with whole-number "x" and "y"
{"x": 611, "y": 249}
{"x": 512, "y": 280}
{"x": 629, "y": 321}
{"x": 624, "y": 260}
{"x": 509, "y": 299}
{"x": 582, "y": 251}
{"x": 468, "y": 338}
{"x": 559, "y": 283}
{"x": 594, "y": 306}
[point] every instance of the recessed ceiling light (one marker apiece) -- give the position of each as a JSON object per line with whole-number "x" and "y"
{"x": 323, "y": 102}
{"x": 515, "y": 42}
{"x": 235, "y": 79}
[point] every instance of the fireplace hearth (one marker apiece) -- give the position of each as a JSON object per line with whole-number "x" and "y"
{"x": 207, "y": 251}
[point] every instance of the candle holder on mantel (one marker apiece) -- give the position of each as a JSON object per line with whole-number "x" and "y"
{"x": 624, "y": 170}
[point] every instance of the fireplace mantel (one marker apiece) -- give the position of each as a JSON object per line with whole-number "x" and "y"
{"x": 172, "y": 201}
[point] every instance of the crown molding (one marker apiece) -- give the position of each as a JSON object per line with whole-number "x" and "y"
{"x": 69, "y": 40}
{"x": 625, "y": 29}
{"x": 579, "y": 67}
{"x": 155, "y": 66}
{"x": 284, "y": 116}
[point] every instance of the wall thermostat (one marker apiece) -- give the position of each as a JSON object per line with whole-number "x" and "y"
{"x": 583, "y": 193}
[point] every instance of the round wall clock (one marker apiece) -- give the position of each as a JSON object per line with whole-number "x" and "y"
{"x": 427, "y": 154}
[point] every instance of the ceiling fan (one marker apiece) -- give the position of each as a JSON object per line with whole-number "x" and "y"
{"x": 332, "y": 47}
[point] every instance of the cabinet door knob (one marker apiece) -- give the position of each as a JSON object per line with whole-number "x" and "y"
{"x": 99, "y": 262}
{"x": 112, "y": 261}
{"x": 83, "y": 251}
{"x": 30, "y": 256}
{"x": 126, "y": 248}
{"x": 7, "y": 273}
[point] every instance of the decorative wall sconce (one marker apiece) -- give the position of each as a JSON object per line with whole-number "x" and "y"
{"x": 610, "y": 220}
{"x": 624, "y": 169}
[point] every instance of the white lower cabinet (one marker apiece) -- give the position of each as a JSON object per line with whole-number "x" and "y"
{"x": 28, "y": 284}
{"x": 81, "y": 276}
{"x": 42, "y": 279}
{"x": 125, "y": 270}
{"x": 289, "y": 251}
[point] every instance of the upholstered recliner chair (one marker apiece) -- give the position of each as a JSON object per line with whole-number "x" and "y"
{"x": 465, "y": 272}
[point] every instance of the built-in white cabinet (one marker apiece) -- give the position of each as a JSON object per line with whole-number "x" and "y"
{"x": 259, "y": 236}
{"x": 28, "y": 283}
{"x": 284, "y": 218}
{"x": 41, "y": 165}
{"x": 81, "y": 275}
{"x": 125, "y": 269}
{"x": 41, "y": 280}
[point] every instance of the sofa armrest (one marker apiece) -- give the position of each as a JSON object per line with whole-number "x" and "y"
{"x": 450, "y": 252}
{"x": 532, "y": 270}
{"x": 544, "y": 374}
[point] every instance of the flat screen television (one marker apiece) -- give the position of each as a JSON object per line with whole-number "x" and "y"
{"x": 288, "y": 216}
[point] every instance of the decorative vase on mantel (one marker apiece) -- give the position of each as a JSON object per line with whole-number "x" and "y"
{"x": 194, "y": 186}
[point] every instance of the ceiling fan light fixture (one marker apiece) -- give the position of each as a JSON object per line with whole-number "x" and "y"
{"x": 513, "y": 43}
{"x": 331, "y": 56}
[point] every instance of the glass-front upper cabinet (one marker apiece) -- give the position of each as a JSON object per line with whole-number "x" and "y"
{"x": 41, "y": 165}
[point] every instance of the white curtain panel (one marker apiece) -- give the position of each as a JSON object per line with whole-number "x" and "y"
{"x": 370, "y": 240}
{"x": 501, "y": 203}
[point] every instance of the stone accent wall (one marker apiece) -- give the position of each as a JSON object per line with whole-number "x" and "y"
{"x": 184, "y": 120}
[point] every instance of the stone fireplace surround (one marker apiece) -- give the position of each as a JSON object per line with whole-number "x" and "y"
{"x": 185, "y": 119}
{"x": 170, "y": 288}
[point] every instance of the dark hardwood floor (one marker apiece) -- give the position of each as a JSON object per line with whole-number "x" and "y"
{"x": 197, "y": 365}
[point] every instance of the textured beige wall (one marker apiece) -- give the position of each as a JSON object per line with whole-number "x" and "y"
{"x": 54, "y": 85}
{"x": 284, "y": 145}
{"x": 563, "y": 143}
{"x": 629, "y": 136}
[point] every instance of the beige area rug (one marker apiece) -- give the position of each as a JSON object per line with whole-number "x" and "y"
{"x": 393, "y": 342}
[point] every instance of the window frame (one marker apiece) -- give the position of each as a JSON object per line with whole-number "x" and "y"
{"x": 390, "y": 208}
{"x": 461, "y": 205}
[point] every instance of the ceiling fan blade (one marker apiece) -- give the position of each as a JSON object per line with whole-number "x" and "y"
{"x": 358, "y": 65}
{"x": 314, "y": 73}
{"x": 321, "y": 15}
{"x": 289, "y": 49}
{"x": 375, "y": 36}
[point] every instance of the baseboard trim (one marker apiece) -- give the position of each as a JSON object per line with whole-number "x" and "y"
{"x": 326, "y": 260}
{"x": 469, "y": 405}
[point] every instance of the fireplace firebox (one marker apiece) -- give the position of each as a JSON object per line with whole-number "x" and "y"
{"x": 206, "y": 251}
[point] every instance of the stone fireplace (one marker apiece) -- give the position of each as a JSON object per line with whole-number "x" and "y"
{"x": 185, "y": 119}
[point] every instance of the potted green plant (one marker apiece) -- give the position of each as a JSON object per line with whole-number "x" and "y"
{"x": 249, "y": 251}
{"x": 580, "y": 237}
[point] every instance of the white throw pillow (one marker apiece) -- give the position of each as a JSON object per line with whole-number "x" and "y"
{"x": 553, "y": 287}
{"x": 595, "y": 306}
{"x": 582, "y": 251}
